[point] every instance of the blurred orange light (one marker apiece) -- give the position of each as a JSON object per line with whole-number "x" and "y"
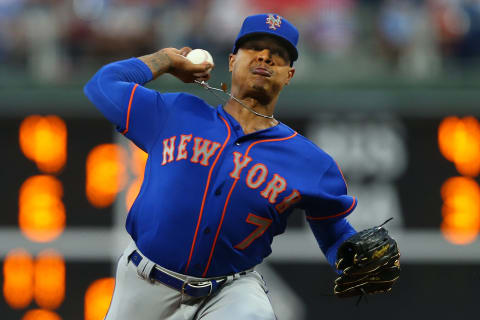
{"x": 138, "y": 161}
{"x": 459, "y": 142}
{"x": 44, "y": 141}
{"x": 461, "y": 210}
{"x": 41, "y": 215}
{"x": 49, "y": 289}
{"x": 39, "y": 314}
{"x": 132, "y": 192}
{"x": 18, "y": 279}
{"x": 106, "y": 174}
{"x": 98, "y": 298}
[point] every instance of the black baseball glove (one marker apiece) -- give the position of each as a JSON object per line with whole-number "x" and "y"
{"x": 369, "y": 261}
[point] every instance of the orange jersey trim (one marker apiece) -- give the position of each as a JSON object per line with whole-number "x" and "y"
{"x": 228, "y": 199}
{"x": 219, "y": 227}
{"x": 335, "y": 215}
{"x": 129, "y": 108}
{"x": 344, "y": 180}
{"x": 205, "y": 195}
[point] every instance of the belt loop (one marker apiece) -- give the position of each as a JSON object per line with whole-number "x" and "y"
{"x": 144, "y": 269}
{"x": 182, "y": 290}
{"x": 183, "y": 287}
{"x": 211, "y": 287}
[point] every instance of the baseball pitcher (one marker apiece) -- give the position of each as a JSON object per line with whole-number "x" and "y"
{"x": 221, "y": 181}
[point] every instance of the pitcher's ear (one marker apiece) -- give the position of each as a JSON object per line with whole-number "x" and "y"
{"x": 291, "y": 72}
{"x": 231, "y": 61}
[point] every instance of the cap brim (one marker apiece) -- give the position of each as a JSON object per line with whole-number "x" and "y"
{"x": 292, "y": 51}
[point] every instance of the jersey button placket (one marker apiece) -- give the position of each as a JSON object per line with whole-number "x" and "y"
{"x": 214, "y": 205}
{"x": 218, "y": 190}
{"x": 212, "y": 211}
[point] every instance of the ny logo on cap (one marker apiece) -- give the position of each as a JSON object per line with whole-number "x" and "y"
{"x": 273, "y": 22}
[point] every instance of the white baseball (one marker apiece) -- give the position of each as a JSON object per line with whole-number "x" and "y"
{"x": 198, "y": 56}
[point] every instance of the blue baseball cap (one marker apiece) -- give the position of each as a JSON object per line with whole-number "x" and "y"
{"x": 269, "y": 24}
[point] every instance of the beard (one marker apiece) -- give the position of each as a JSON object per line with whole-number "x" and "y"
{"x": 263, "y": 90}
{"x": 261, "y": 93}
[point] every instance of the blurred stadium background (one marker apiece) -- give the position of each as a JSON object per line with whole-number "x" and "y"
{"x": 388, "y": 87}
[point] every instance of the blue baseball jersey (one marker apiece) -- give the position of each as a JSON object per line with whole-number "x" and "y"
{"x": 213, "y": 197}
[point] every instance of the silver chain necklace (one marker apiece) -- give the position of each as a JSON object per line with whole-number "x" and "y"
{"x": 224, "y": 90}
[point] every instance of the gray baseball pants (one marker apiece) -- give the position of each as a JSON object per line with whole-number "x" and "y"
{"x": 241, "y": 297}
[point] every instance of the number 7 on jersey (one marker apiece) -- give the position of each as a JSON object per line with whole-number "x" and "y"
{"x": 262, "y": 225}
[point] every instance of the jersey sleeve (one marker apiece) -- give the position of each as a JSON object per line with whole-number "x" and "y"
{"x": 329, "y": 200}
{"x": 145, "y": 116}
{"x": 330, "y": 234}
{"x": 137, "y": 112}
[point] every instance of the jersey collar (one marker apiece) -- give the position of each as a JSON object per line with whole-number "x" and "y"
{"x": 278, "y": 131}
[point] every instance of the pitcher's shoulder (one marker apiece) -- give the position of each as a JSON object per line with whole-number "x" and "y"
{"x": 308, "y": 148}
